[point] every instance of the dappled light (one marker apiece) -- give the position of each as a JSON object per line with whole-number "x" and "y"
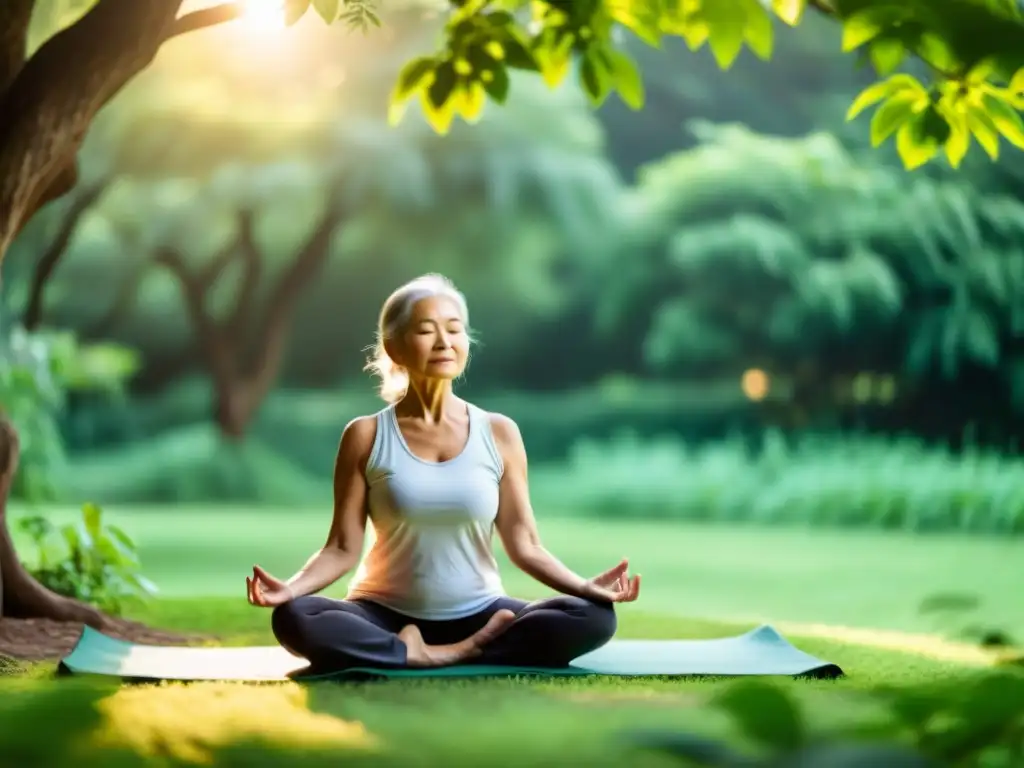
{"x": 756, "y": 384}
{"x": 192, "y": 723}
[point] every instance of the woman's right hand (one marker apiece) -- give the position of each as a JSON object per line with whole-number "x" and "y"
{"x": 266, "y": 590}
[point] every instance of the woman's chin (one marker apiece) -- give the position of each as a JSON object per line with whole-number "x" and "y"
{"x": 444, "y": 371}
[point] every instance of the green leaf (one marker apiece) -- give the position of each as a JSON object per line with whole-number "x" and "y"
{"x": 1005, "y": 118}
{"x": 984, "y": 130}
{"x": 626, "y": 77}
{"x": 884, "y": 89}
{"x": 765, "y": 714}
{"x": 759, "y": 35}
{"x": 1016, "y": 86}
{"x": 496, "y": 83}
{"x": 470, "y": 98}
{"x": 861, "y": 28}
{"x": 295, "y": 10}
{"x": 695, "y": 33}
{"x": 328, "y": 9}
{"x": 413, "y": 76}
{"x": 640, "y": 17}
{"x": 893, "y": 113}
{"x": 553, "y": 52}
{"x": 438, "y": 117}
{"x": 790, "y": 11}
{"x": 518, "y": 54}
{"x": 915, "y": 141}
{"x": 595, "y": 78}
{"x": 726, "y": 30}
{"x": 959, "y": 140}
{"x": 91, "y": 515}
{"x": 887, "y": 53}
{"x": 443, "y": 85}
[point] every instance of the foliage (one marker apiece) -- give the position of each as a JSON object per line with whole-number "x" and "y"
{"x": 194, "y": 463}
{"x": 87, "y": 560}
{"x": 501, "y": 207}
{"x": 914, "y": 276}
{"x": 974, "y": 50}
{"x": 812, "y": 480}
{"x": 37, "y": 373}
{"x": 976, "y": 722}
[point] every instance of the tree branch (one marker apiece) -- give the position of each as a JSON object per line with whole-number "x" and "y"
{"x": 206, "y": 17}
{"x": 212, "y": 342}
{"x": 49, "y": 106}
{"x": 249, "y": 251}
{"x": 273, "y": 332}
{"x": 52, "y": 256}
{"x": 15, "y": 17}
{"x": 209, "y": 274}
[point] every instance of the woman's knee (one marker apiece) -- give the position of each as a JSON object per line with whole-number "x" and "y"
{"x": 596, "y": 621}
{"x": 286, "y": 622}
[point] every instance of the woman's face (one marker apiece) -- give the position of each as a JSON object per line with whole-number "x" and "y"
{"x": 435, "y": 344}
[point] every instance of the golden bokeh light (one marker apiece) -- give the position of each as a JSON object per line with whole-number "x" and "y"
{"x": 263, "y": 16}
{"x": 755, "y": 384}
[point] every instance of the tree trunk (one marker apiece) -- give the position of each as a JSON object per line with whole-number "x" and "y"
{"x": 231, "y": 411}
{"x": 51, "y": 102}
{"x": 21, "y": 596}
{"x": 46, "y": 107}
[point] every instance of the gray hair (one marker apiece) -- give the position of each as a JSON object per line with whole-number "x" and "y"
{"x": 394, "y": 315}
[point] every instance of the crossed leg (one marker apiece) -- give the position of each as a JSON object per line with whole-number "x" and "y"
{"x": 338, "y": 634}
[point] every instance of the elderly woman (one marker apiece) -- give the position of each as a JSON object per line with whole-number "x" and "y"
{"x": 435, "y": 476}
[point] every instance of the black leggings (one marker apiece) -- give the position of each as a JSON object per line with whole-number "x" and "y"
{"x": 339, "y": 634}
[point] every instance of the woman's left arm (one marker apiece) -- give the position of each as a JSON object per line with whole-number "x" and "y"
{"x": 517, "y": 528}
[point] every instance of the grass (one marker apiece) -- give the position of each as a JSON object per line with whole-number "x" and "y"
{"x": 819, "y": 586}
{"x": 500, "y": 722}
{"x": 724, "y": 572}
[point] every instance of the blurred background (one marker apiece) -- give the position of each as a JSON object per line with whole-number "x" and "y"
{"x": 782, "y": 374}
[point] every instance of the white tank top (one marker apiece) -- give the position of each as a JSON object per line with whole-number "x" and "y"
{"x": 433, "y": 524}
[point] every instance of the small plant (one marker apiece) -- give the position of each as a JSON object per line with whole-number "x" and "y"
{"x": 88, "y": 560}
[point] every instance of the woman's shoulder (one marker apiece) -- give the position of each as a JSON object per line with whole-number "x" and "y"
{"x": 358, "y": 435}
{"x": 504, "y": 428}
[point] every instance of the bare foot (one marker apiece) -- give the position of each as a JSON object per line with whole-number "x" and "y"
{"x": 419, "y": 654}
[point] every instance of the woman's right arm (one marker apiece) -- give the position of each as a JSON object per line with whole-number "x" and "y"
{"x": 344, "y": 544}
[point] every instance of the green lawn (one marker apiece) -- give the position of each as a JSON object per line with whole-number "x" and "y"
{"x": 695, "y": 580}
{"x": 839, "y": 578}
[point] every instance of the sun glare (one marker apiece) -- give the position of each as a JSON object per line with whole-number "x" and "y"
{"x": 263, "y": 15}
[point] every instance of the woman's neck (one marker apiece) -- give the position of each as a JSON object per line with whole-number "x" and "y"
{"x": 430, "y": 401}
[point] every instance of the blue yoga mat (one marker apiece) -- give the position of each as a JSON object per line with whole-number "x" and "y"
{"x": 762, "y": 651}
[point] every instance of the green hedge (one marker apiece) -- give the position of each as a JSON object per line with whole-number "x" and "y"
{"x": 192, "y": 465}
{"x": 831, "y": 480}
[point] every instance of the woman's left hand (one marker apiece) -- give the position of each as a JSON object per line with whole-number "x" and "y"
{"x": 614, "y": 585}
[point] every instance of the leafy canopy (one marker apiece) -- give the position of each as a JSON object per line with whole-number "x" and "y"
{"x": 969, "y": 53}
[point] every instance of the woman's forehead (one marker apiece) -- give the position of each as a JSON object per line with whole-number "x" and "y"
{"x": 436, "y": 308}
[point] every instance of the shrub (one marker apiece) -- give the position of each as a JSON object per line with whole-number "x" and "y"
{"x": 87, "y": 560}
{"x": 851, "y": 480}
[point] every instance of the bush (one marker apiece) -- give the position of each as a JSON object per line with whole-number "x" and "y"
{"x": 852, "y": 481}
{"x": 37, "y": 373}
{"x": 195, "y": 465}
{"x": 87, "y": 560}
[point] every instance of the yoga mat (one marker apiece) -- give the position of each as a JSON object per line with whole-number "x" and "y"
{"x": 762, "y": 651}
